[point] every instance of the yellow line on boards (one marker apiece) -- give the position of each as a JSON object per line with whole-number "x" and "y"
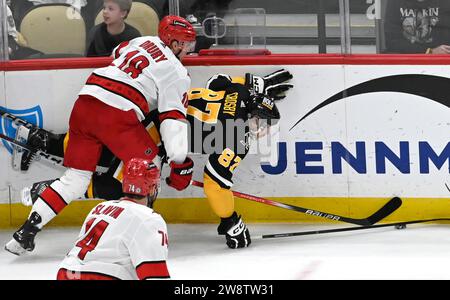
{"x": 197, "y": 210}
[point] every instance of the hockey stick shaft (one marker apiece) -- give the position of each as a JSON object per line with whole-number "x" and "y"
{"x": 291, "y": 234}
{"x": 54, "y": 159}
{"x": 20, "y": 122}
{"x": 383, "y": 212}
{"x": 16, "y": 120}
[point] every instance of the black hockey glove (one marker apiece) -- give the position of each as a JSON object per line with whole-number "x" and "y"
{"x": 273, "y": 85}
{"x": 237, "y": 235}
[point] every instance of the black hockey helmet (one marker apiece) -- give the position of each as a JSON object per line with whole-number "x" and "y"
{"x": 219, "y": 82}
{"x": 264, "y": 108}
{"x": 263, "y": 114}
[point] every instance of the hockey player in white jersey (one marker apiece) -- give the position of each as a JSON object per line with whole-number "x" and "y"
{"x": 145, "y": 75}
{"x": 125, "y": 238}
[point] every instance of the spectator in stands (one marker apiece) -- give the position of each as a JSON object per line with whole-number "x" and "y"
{"x": 16, "y": 43}
{"x": 417, "y": 26}
{"x": 104, "y": 37}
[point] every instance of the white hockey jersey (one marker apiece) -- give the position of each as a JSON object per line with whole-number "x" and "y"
{"x": 144, "y": 75}
{"x": 119, "y": 240}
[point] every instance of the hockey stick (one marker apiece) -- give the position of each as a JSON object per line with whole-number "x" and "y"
{"x": 380, "y": 214}
{"x": 56, "y": 160}
{"x": 52, "y": 158}
{"x": 16, "y": 120}
{"x": 290, "y": 234}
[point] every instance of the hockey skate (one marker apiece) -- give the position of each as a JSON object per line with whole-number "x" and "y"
{"x": 23, "y": 239}
{"x": 29, "y": 195}
{"x": 227, "y": 223}
{"x": 235, "y": 230}
{"x": 35, "y": 138}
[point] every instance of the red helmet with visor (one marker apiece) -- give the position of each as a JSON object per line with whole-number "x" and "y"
{"x": 141, "y": 178}
{"x": 175, "y": 28}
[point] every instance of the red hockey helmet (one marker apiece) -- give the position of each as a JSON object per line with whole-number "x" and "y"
{"x": 141, "y": 177}
{"x": 175, "y": 28}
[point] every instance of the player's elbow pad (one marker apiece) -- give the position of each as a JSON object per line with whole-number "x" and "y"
{"x": 174, "y": 134}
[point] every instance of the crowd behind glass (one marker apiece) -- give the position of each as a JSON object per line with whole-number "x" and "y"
{"x": 77, "y": 28}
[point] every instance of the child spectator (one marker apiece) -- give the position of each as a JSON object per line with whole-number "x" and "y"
{"x": 104, "y": 37}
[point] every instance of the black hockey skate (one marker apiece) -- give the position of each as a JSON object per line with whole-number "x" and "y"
{"x": 23, "y": 239}
{"x": 235, "y": 230}
{"x": 227, "y": 223}
{"x": 36, "y": 139}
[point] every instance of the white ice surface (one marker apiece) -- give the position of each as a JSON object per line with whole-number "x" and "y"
{"x": 197, "y": 252}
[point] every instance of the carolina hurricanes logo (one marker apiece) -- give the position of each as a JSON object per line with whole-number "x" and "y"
{"x": 175, "y": 22}
{"x": 185, "y": 100}
{"x": 148, "y": 151}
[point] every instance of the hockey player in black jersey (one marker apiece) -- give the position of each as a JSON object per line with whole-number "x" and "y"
{"x": 224, "y": 118}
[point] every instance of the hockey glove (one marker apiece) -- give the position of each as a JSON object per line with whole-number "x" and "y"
{"x": 273, "y": 85}
{"x": 238, "y": 235}
{"x": 180, "y": 174}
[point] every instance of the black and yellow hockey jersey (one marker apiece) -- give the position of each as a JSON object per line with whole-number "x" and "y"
{"x": 218, "y": 127}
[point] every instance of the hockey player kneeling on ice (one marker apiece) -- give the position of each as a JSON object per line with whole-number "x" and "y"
{"x": 125, "y": 238}
{"x": 224, "y": 99}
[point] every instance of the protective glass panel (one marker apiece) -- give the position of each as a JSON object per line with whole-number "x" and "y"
{"x": 364, "y": 18}
{"x": 250, "y": 27}
{"x": 5, "y": 28}
{"x": 47, "y": 28}
{"x": 76, "y": 28}
{"x": 241, "y": 29}
{"x": 293, "y": 26}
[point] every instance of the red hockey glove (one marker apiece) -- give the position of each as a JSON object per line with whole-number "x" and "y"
{"x": 180, "y": 174}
